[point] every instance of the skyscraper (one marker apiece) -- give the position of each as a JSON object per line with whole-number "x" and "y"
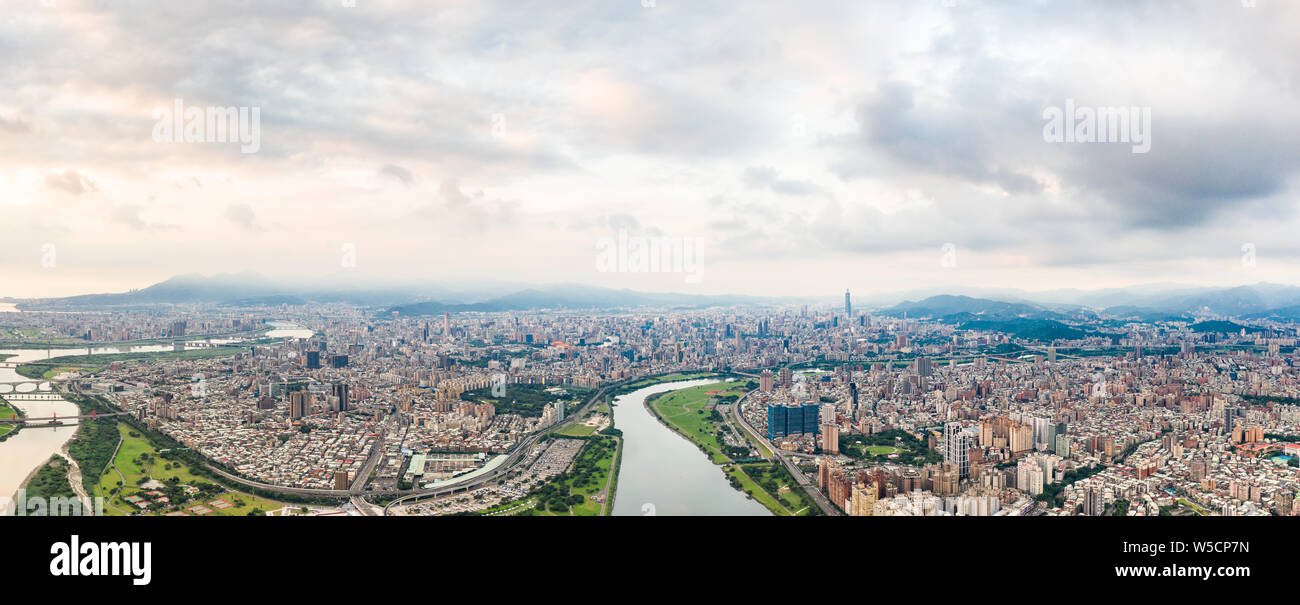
{"x": 848, "y": 308}
{"x": 341, "y": 391}
{"x": 831, "y": 438}
{"x": 299, "y": 404}
{"x": 1093, "y": 505}
{"x": 783, "y": 420}
{"x": 957, "y": 444}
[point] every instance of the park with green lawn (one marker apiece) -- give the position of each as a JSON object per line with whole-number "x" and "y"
{"x": 888, "y": 446}
{"x": 690, "y": 413}
{"x": 673, "y": 377}
{"x": 773, "y": 487}
{"x": 577, "y": 429}
{"x": 527, "y": 400}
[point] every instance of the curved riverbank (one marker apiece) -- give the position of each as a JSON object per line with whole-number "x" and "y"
{"x": 694, "y": 414}
{"x": 663, "y": 474}
{"x": 649, "y": 405}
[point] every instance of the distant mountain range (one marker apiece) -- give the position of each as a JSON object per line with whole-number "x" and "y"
{"x": 579, "y": 297}
{"x": 1023, "y": 320}
{"x": 1260, "y": 301}
{"x": 242, "y": 289}
{"x": 1162, "y": 302}
{"x": 252, "y": 289}
{"x": 1049, "y": 322}
{"x": 946, "y": 306}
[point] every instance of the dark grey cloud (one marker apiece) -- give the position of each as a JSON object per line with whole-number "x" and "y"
{"x": 982, "y": 125}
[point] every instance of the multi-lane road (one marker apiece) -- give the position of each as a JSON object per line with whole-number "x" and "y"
{"x": 813, "y": 491}
{"x": 511, "y": 458}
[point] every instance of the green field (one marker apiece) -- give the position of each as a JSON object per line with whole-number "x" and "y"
{"x": 878, "y": 446}
{"x": 43, "y": 372}
{"x": 31, "y": 338}
{"x": 577, "y": 429}
{"x": 591, "y": 474}
{"x": 674, "y": 377}
{"x": 527, "y": 400}
{"x": 6, "y": 413}
{"x": 50, "y": 368}
{"x": 741, "y": 481}
{"x": 23, "y": 338}
{"x": 1200, "y": 512}
{"x": 138, "y": 461}
{"x": 762, "y": 481}
{"x": 687, "y": 411}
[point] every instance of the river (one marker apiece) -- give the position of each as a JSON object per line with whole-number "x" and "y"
{"x": 664, "y": 474}
{"x": 31, "y": 447}
{"x": 27, "y": 451}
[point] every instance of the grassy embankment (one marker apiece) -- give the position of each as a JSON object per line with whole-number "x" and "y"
{"x": 690, "y": 413}
{"x": 51, "y": 481}
{"x": 7, "y": 412}
{"x": 49, "y": 368}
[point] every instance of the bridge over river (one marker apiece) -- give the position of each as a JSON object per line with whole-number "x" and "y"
{"x": 55, "y": 420}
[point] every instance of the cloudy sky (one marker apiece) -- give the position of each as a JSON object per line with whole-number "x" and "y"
{"x": 808, "y": 146}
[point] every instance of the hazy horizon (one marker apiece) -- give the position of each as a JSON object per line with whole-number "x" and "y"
{"x": 483, "y": 289}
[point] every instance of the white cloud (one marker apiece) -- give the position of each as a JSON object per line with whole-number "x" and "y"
{"x": 809, "y": 143}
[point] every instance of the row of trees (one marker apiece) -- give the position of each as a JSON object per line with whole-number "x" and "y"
{"x": 92, "y": 448}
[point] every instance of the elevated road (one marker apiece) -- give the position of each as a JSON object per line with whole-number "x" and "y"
{"x": 355, "y": 491}
{"x": 376, "y": 452}
{"x": 812, "y": 490}
{"x": 512, "y": 457}
{"x": 281, "y": 489}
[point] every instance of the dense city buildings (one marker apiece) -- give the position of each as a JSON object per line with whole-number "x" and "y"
{"x": 886, "y": 415}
